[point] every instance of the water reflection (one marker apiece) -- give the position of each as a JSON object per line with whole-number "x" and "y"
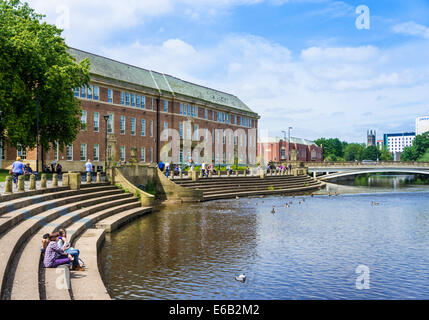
{"x": 307, "y": 251}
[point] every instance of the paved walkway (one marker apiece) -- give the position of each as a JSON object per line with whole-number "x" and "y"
{"x": 38, "y": 182}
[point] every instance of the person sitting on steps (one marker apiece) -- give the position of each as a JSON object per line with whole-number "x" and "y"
{"x": 54, "y": 255}
{"x": 66, "y": 246}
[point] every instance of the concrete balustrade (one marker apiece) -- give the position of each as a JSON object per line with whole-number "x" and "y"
{"x": 32, "y": 182}
{"x": 65, "y": 179}
{"x": 98, "y": 177}
{"x": 8, "y": 185}
{"x": 21, "y": 184}
{"x": 74, "y": 180}
{"x": 210, "y": 174}
{"x": 43, "y": 181}
{"x": 88, "y": 177}
{"x": 55, "y": 180}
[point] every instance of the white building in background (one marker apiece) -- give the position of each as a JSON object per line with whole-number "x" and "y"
{"x": 422, "y": 125}
{"x": 396, "y": 142}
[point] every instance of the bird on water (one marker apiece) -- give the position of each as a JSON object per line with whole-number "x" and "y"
{"x": 241, "y": 278}
{"x": 273, "y": 210}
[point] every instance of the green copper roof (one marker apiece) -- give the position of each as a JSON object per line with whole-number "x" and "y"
{"x": 123, "y": 72}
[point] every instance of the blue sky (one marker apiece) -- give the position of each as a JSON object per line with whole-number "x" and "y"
{"x": 299, "y": 63}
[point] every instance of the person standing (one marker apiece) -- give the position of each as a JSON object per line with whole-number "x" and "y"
{"x": 203, "y": 168}
{"x": 88, "y": 167}
{"x": 17, "y": 170}
{"x": 161, "y": 166}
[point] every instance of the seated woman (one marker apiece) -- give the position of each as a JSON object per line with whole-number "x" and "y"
{"x": 45, "y": 243}
{"x": 66, "y": 246}
{"x": 54, "y": 255}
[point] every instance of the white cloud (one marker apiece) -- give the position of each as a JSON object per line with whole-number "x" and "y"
{"x": 413, "y": 29}
{"x": 321, "y": 92}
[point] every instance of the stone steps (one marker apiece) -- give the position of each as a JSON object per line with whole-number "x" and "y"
{"x": 222, "y": 195}
{"x": 89, "y": 285}
{"x": 18, "y": 234}
{"x": 26, "y": 281}
{"x": 231, "y": 187}
{"x": 215, "y": 189}
{"x": 114, "y": 218}
{"x": 12, "y": 218}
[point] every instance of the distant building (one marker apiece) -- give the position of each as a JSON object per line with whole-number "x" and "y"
{"x": 371, "y": 138}
{"x": 277, "y": 150}
{"x": 422, "y": 125}
{"x": 380, "y": 144}
{"x": 396, "y": 142}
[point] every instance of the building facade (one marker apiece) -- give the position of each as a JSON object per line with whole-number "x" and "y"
{"x": 396, "y": 142}
{"x": 148, "y": 116}
{"x": 371, "y": 138}
{"x": 279, "y": 150}
{"x": 422, "y": 125}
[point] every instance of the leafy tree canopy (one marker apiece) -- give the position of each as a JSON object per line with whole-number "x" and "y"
{"x": 35, "y": 67}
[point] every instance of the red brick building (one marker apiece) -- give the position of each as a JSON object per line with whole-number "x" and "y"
{"x": 209, "y": 125}
{"x": 279, "y": 150}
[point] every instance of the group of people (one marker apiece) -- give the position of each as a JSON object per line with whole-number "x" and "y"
{"x": 278, "y": 168}
{"x": 19, "y": 169}
{"x": 55, "y": 168}
{"x": 57, "y": 251}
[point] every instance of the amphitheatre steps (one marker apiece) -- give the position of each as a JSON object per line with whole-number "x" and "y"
{"x": 233, "y": 186}
{"x": 25, "y": 217}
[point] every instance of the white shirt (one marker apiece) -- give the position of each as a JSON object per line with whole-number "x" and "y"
{"x": 88, "y": 167}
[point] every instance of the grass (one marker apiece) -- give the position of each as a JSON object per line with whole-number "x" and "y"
{"x": 4, "y": 173}
{"x": 425, "y": 157}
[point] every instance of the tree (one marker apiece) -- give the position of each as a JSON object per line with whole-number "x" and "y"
{"x": 409, "y": 154}
{"x": 385, "y": 154}
{"x": 36, "y": 69}
{"x": 371, "y": 153}
{"x": 353, "y": 151}
{"x": 331, "y": 147}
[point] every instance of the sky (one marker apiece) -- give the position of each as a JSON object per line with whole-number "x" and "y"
{"x": 320, "y": 66}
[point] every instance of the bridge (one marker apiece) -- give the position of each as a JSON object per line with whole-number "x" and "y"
{"x": 332, "y": 170}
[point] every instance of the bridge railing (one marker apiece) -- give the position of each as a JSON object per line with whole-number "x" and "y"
{"x": 360, "y": 164}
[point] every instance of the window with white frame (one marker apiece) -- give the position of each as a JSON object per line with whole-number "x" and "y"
{"x": 181, "y": 108}
{"x": 196, "y": 132}
{"x": 133, "y": 126}
{"x": 83, "y": 150}
{"x": 181, "y": 130}
{"x": 137, "y": 101}
{"x": 127, "y": 98}
{"x": 122, "y": 97}
{"x": 96, "y": 92}
{"x": 165, "y": 130}
{"x": 2, "y": 155}
{"x": 96, "y": 152}
{"x": 143, "y": 154}
{"x": 133, "y": 100}
{"x": 151, "y": 154}
{"x": 90, "y": 90}
{"x": 109, "y": 95}
{"x": 122, "y": 125}
{"x": 206, "y": 113}
{"x": 110, "y": 124}
{"x": 151, "y": 128}
{"x": 83, "y": 92}
{"x": 69, "y": 152}
{"x": 165, "y": 106}
{"x": 76, "y": 92}
{"x": 83, "y": 120}
{"x": 143, "y": 104}
{"x": 21, "y": 152}
{"x": 122, "y": 153}
{"x": 96, "y": 122}
{"x": 143, "y": 128}
{"x": 56, "y": 147}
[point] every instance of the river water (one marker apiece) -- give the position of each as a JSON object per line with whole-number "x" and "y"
{"x": 310, "y": 250}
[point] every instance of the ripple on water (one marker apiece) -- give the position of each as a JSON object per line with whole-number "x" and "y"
{"x": 307, "y": 251}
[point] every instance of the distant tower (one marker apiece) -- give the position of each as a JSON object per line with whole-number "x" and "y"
{"x": 371, "y": 138}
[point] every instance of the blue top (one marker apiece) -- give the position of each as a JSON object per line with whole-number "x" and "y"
{"x": 88, "y": 167}
{"x": 18, "y": 167}
{"x": 161, "y": 165}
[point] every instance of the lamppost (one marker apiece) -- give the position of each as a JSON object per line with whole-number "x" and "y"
{"x": 284, "y": 140}
{"x": 290, "y": 128}
{"x": 106, "y": 118}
